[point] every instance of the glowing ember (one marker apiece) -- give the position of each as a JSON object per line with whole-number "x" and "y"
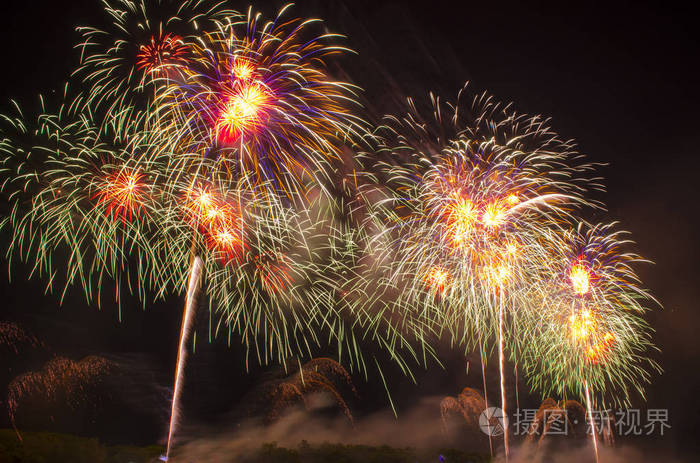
{"x": 583, "y": 328}
{"x": 496, "y": 275}
{"x": 597, "y": 352}
{"x": 582, "y": 325}
{"x": 512, "y": 199}
{"x": 201, "y": 207}
{"x": 274, "y": 272}
{"x": 218, "y": 220}
{"x": 227, "y": 242}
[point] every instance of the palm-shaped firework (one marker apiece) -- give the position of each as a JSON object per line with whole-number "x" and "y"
{"x": 475, "y": 194}
{"x": 204, "y": 175}
{"x": 589, "y": 321}
{"x": 76, "y": 190}
{"x": 210, "y": 172}
{"x": 197, "y": 147}
{"x": 585, "y": 333}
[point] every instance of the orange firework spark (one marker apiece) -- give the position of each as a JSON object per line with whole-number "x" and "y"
{"x": 497, "y": 263}
{"x": 123, "y": 194}
{"x": 494, "y": 215}
{"x": 582, "y": 325}
{"x": 205, "y": 209}
{"x": 217, "y": 219}
{"x": 227, "y": 242}
{"x": 512, "y": 199}
{"x": 496, "y": 274}
{"x": 511, "y": 248}
{"x": 201, "y": 207}
{"x": 597, "y": 351}
{"x": 465, "y": 218}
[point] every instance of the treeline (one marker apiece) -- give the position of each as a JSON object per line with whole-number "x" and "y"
{"x": 46, "y": 447}
{"x": 339, "y": 453}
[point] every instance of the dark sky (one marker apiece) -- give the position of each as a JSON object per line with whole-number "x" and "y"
{"x": 620, "y": 79}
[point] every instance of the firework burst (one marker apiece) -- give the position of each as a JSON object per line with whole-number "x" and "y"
{"x": 465, "y": 210}
{"x": 588, "y": 325}
{"x": 85, "y": 194}
{"x": 144, "y": 44}
{"x": 212, "y": 152}
{"x": 258, "y": 96}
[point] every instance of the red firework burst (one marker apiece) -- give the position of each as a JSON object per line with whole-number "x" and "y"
{"x": 218, "y": 220}
{"x": 163, "y": 51}
{"x": 274, "y": 272}
{"x": 123, "y": 194}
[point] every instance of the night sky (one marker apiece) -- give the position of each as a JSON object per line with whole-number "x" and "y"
{"x": 621, "y": 80}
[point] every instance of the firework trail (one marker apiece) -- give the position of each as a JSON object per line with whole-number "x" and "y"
{"x": 187, "y": 321}
{"x": 589, "y": 408}
{"x": 486, "y": 396}
{"x": 501, "y": 368}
